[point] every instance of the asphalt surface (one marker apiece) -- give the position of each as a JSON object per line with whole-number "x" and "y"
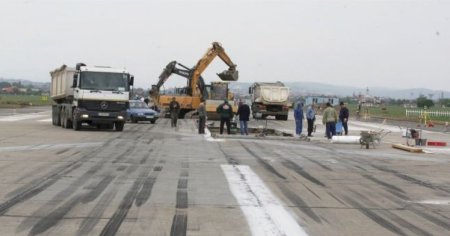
{"x": 152, "y": 179}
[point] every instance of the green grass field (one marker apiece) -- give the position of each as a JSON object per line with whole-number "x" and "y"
{"x": 11, "y": 101}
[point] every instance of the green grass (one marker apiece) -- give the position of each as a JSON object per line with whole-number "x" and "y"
{"x": 394, "y": 112}
{"x": 10, "y": 101}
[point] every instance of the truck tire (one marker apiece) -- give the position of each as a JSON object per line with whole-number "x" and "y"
{"x": 76, "y": 124}
{"x": 281, "y": 117}
{"x": 152, "y": 121}
{"x": 62, "y": 119}
{"x": 133, "y": 120}
{"x": 67, "y": 120}
{"x": 55, "y": 118}
{"x": 69, "y": 123}
{"x": 119, "y": 126}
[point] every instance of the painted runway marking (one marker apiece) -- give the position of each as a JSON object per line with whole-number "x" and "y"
{"x": 45, "y": 120}
{"x": 264, "y": 212}
{"x": 435, "y": 202}
{"x": 209, "y": 138}
{"x": 49, "y": 146}
{"x": 22, "y": 117}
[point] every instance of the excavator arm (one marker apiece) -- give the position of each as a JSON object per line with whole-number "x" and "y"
{"x": 170, "y": 69}
{"x": 216, "y": 50}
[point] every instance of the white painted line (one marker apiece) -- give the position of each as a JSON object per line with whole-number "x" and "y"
{"x": 45, "y": 120}
{"x": 435, "y": 202}
{"x": 209, "y": 138}
{"x": 264, "y": 212}
{"x": 21, "y": 117}
{"x": 49, "y": 146}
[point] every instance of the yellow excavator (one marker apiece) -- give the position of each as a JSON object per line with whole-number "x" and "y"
{"x": 196, "y": 90}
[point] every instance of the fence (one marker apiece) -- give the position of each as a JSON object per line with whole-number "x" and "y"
{"x": 428, "y": 113}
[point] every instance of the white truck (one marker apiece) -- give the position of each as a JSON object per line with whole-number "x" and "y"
{"x": 269, "y": 99}
{"x": 98, "y": 96}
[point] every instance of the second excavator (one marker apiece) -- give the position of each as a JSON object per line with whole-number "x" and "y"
{"x": 196, "y": 90}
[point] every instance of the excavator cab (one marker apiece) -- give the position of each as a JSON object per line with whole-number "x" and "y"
{"x": 229, "y": 75}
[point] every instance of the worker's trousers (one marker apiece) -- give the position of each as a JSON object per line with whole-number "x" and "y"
{"x": 174, "y": 118}
{"x": 227, "y": 122}
{"x": 330, "y": 129}
{"x": 298, "y": 126}
{"x": 310, "y": 126}
{"x": 201, "y": 124}
{"x": 243, "y": 127}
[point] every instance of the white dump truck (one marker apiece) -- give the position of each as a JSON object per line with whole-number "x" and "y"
{"x": 269, "y": 99}
{"x": 97, "y": 96}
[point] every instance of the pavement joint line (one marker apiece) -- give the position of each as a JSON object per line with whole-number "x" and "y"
{"x": 49, "y": 146}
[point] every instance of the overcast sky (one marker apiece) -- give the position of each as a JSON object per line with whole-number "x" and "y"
{"x": 395, "y": 44}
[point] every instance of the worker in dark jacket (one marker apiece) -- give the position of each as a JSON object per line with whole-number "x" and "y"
{"x": 226, "y": 114}
{"x": 201, "y": 117}
{"x": 244, "y": 114}
{"x": 343, "y": 117}
{"x": 174, "y": 109}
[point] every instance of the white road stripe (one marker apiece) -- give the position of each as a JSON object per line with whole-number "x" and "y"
{"x": 264, "y": 212}
{"x": 22, "y": 117}
{"x": 435, "y": 202}
{"x": 46, "y": 120}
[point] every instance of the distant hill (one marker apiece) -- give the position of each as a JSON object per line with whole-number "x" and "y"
{"x": 311, "y": 88}
{"x": 44, "y": 86}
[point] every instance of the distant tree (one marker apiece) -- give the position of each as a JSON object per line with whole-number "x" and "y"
{"x": 423, "y": 101}
{"x": 444, "y": 102}
{"x": 4, "y": 84}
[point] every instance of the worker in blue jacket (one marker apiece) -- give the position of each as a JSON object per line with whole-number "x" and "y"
{"x": 298, "y": 115}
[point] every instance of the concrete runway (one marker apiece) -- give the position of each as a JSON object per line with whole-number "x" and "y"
{"x": 157, "y": 180}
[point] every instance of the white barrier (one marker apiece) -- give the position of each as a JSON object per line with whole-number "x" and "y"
{"x": 346, "y": 139}
{"x": 421, "y": 113}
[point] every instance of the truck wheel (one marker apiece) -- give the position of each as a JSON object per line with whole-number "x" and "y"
{"x": 62, "y": 119}
{"x": 57, "y": 117}
{"x": 76, "y": 124}
{"x": 119, "y": 126}
{"x": 284, "y": 117}
{"x": 69, "y": 124}
{"x": 152, "y": 121}
{"x": 133, "y": 120}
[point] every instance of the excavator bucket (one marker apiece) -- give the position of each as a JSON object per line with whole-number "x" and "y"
{"x": 229, "y": 75}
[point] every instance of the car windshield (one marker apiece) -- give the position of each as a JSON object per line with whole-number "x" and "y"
{"x": 104, "y": 81}
{"x": 138, "y": 105}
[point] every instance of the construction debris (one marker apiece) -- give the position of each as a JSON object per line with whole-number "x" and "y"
{"x": 407, "y": 148}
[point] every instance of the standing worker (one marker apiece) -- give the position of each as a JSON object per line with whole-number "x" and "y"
{"x": 298, "y": 115}
{"x": 226, "y": 113}
{"x": 343, "y": 116}
{"x": 244, "y": 114}
{"x": 201, "y": 118}
{"x": 330, "y": 117}
{"x": 174, "y": 109}
{"x": 310, "y": 118}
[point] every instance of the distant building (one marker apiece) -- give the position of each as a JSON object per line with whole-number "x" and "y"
{"x": 8, "y": 90}
{"x": 321, "y": 100}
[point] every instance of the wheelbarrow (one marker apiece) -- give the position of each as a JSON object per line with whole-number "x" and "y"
{"x": 372, "y": 137}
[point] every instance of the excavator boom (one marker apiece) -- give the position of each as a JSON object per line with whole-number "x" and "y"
{"x": 216, "y": 50}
